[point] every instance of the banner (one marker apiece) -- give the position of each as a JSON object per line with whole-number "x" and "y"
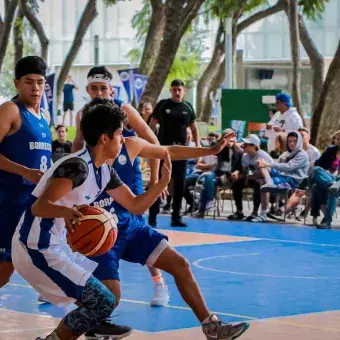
{"x": 126, "y": 76}
{"x": 49, "y": 98}
{"x": 139, "y": 83}
{"x": 116, "y": 89}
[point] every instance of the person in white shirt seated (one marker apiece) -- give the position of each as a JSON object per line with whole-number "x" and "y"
{"x": 289, "y": 120}
{"x": 270, "y": 134}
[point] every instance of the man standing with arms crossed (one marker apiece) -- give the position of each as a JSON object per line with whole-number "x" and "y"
{"x": 174, "y": 115}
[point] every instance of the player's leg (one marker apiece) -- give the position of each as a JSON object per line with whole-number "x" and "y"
{"x": 175, "y": 264}
{"x": 147, "y": 246}
{"x": 161, "y": 294}
{"x": 97, "y": 303}
{"x": 6, "y": 271}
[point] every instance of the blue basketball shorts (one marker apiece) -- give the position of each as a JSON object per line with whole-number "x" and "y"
{"x": 136, "y": 244}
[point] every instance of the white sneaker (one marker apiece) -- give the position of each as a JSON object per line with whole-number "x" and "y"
{"x": 41, "y": 299}
{"x": 161, "y": 296}
{"x": 210, "y": 205}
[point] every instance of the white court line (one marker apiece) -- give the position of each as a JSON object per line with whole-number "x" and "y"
{"x": 300, "y": 242}
{"x": 148, "y": 304}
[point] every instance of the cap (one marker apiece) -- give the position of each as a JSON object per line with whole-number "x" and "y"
{"x": 252, "y": 139}
{"x": 30, "y": 65}
{"x": 284, "y": 98}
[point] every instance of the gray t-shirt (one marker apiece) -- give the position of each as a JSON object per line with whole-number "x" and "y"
{"x": 249, "y": 162}
{"x": 313, "y": 153}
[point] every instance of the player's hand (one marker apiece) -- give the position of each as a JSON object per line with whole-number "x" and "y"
{"x": 278, "y": 129}
{"x": 166, "y": 169}
{"x": 234, "y": 176}
{"x": 71, "y": 217}
{"x": 32, "y": 175}
{"x": 165, "y": 193}
{"x": 222, "y": 141}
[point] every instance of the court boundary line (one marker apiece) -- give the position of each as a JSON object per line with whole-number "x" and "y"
{"x": 148, "y": 304}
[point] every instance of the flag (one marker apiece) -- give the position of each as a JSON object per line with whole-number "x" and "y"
{"x": 49, "y": 98}
{"x": 126, "y": 76}
{"x": 117, "y": 91}
{"x": 139, "y": 83}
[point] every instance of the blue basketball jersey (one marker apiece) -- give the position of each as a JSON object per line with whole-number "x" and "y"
{"x": 30, "y": 146}
{"x": 131, "y": 175}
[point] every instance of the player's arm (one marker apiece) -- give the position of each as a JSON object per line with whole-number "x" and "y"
{"x": 9, "y": 117}
{"x": 137, "y": 205}
{"x": 67, "y": 176}
{"x": 176, "y": 152}
{"x": 153, "y": 123}
{"x": 143, "y": 131}
{"x": 78, "y": 142}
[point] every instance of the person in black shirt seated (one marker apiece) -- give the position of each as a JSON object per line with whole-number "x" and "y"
{"x": 174, "y": 116}
{"x": 228, "y": 167}
{"x": 61, "y": 146}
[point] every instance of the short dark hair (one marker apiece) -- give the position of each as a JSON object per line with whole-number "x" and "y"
{"x": 100, "y": 116}
{"x": 100, "y": 70}
{"x": 61, "y": 126}
{"x": 177, "y": 82}
{"x": 213, "y": 134}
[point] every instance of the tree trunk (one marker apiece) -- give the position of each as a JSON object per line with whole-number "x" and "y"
{"x": 327, "y": 104}
{"x": 316, "y": 60}
{"x": 179, "y": 14}
{"x": 5, "y": 27}
{"x": 204, "y": 82}
{"x": 153, "y": 37}
{"x": 37, "y": 26}
{"x": 292, "y": 14}
{"x": 17, "y": 36}
{"x": 88, "y": 15}
{"x": 219, "y": 68}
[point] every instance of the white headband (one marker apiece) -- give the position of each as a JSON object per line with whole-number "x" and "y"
{"x": 98, "y": 78}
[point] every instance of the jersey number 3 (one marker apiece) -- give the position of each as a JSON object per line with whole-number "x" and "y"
{"x": 43, "y": 163}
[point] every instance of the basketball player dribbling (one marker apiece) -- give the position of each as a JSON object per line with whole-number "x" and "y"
{"x": 25, "y": 152}
{"x": 99, "y": 86}
{"x": 141, "y": 244}
{"x": 39, "y": 250}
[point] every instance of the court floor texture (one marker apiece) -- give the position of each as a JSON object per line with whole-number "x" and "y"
{"x": 284, "y": 280}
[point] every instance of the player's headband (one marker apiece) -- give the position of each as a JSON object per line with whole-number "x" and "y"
{"x": 98, "y": 78}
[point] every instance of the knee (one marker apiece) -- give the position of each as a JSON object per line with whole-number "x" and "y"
{"x": 107, "y": 304}
{"x": 117, "y": 297}
{"x": 181, "y": 265}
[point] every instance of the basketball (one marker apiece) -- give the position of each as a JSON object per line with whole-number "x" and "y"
{"x": 96, "y": 234}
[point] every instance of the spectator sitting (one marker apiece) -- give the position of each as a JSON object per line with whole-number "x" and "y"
{"x": 61, "y": 146}
{"x": 204, "y": 164}
{"x": 247, "y": 176}
{"x": 289, "y": 172}
{"x": 325, "y": 183}
{"x": 228, "y": 167}
{"x": 280, "y": 145}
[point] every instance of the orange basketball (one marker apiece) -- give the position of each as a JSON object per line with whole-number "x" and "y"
{"x": 96, "y": 234}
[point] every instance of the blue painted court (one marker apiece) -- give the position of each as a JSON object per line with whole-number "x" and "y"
{"x": 281, "y": 271}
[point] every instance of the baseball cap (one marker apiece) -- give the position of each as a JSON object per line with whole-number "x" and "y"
{"x": 252, "y": 139}
{"x": 284, "y": 98}
{"x": 30, "y": 65}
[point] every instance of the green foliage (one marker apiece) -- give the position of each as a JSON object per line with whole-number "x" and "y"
{"x": 186, "y": 65}
{"x": 7, "y": 88}
{"x": 312, "y": 9}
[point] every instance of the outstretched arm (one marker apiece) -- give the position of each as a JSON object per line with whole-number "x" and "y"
{"x": 78, "y": 142}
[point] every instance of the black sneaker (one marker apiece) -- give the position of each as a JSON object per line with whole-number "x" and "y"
{"x": 236, "y": 216}
{"x": 152, "y": 221}
{"x": 107, "y": 330}
{"x": 178, "y": 223}
{"x": 189, "y": 210}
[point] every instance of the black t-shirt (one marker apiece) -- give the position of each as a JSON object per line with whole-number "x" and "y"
{"x": 58, "y": 147}
{"x": 77, "y": 170}
{"x": 173, "y": 118}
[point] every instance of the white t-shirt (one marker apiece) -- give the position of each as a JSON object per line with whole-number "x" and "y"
{"x": 210, "y": 160}
{"x": 249, "y": 162}
{"x": 313, "y": 153}
{"x": 290, "y": 120}
{"x": 271, "y": 134}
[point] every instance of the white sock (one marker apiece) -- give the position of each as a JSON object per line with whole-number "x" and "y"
{"x": 263, "y": 212}
{"x": 269, "y": 181}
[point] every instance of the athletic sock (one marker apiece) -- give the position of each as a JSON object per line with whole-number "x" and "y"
{"x": 263, "y": 212}
{"x": 209, "y": 319}
{"x": 269, "y": 181}
{"x": 158, "y": 279}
